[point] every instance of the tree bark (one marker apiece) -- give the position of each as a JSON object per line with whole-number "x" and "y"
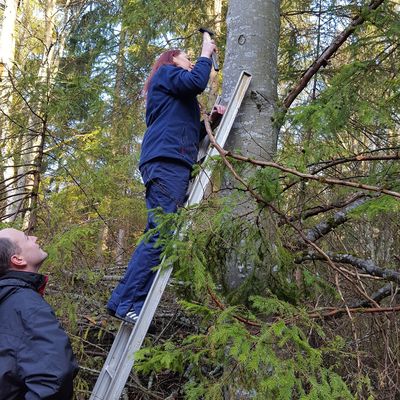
{"x": 252, "y": 45}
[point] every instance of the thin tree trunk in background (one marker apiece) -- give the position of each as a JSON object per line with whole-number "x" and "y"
{"x": 120, "y": 251}
{"x": 218, "y": 16}
{"x": 14, "y": 142}
{"x": 7, "y": 54}
{"x": 116, "y": 120}
{"x": 28, "y": 175}
{"x": 214, "y": 13}
{"x": 252, "y": 45}
{"x": 215, "y": 77}
{"x": 102, "y": 245}
{"x": 34, "y": 144}
{"x": 7, "y": 39}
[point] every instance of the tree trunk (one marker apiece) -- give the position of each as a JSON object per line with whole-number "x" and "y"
{"x": 252, "y": 45}
{"x": 33, "y": 152}
{"x": 7, "y": 39}
{"x": 7, "y": 54}
{"x": 116, "y": 130}
{"x": 28, "y": 174}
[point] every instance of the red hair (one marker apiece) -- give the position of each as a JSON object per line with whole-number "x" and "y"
{"x": 165, "y": 58}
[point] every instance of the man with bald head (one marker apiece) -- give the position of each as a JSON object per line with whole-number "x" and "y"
{"x": 36, "y": 359}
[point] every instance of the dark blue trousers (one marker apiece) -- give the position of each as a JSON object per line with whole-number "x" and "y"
{"x": 169, "y": 193}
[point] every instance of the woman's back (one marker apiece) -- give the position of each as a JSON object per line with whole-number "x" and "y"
{"x": 172, "y": 113}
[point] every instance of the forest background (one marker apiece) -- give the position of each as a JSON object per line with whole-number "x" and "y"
{"x": 310, "y": 308}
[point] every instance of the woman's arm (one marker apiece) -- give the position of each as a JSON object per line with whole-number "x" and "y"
{"x": 182, "y": 82}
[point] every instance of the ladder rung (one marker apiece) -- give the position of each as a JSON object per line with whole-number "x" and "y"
{"x": 110, "y": 373}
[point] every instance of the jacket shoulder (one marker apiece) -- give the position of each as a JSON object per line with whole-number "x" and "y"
{"x": 164, "y": 72}
{"x": 26, "y": 301}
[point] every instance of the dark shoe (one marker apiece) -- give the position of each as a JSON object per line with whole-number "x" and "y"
{"x": 131, "y": 317}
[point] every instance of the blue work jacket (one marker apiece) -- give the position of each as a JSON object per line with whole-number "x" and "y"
{"x": 173, "y": 114}
{"x": 36, "y": 359}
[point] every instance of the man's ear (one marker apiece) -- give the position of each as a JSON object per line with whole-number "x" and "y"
{"x": 18, "y": 261}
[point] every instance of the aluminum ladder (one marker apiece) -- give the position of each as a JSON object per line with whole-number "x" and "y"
{"x": 129, "y": 339}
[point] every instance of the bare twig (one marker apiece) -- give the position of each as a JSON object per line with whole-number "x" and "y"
{"x": 321, "y": 179}
{"x": 337, "y": 311}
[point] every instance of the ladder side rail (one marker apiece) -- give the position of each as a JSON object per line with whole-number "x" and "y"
{"x": 114, "y": 357}
{"x": 137, "y": 334}
{"x": 221, "y": 136}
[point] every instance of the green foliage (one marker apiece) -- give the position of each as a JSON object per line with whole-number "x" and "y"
{"x": 170, "y": 358}
{"x": 266, "y": 182}
{"x": 64, "y": 245}
{"x": 277, "y": 362}
{"x": 376, "y": 207}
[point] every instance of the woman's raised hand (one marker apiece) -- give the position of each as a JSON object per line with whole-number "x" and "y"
{"x": 208, "y": 47}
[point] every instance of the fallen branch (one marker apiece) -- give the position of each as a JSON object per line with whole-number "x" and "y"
{"x": 367, "y": 266}
{"x": 354, "y": 310}
{"x": 339, "y": 218}
{"x": 377, "y": 296}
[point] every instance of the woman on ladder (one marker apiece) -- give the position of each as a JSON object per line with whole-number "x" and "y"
{"x": 168, "y": 153}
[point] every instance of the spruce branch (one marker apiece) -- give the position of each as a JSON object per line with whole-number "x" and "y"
{"x": 221, "y": 306}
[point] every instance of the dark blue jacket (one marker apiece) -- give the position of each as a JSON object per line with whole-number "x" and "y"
{"x": 172, "y": 113}
{"x": 36, "y": 359}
